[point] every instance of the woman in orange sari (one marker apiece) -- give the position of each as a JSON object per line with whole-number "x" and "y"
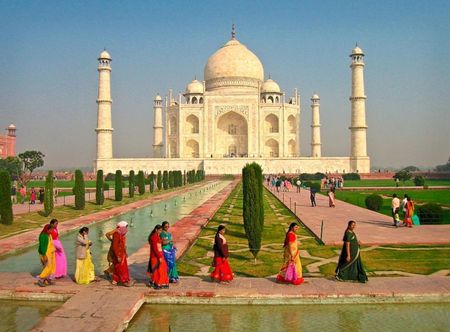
{"x": 157, "y": 267}
{"x": 291, "y": 271}
{"x": 409, "y": 206}
{"x": 119, "y": 250}
{"x": 222, "y": 270}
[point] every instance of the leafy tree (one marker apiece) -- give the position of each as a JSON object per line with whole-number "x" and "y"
{"x": 141, "y": 182}
{"x": 79, "y": 191}
{"x": 151, "y": 178}
{"x": 118, "y": 186}
{"x": 184, "y": 177}
{"x": 99, "y": 188}
{"x": 402, "y": 175}
{"x": 252, "y": 208}
{"x": 171, "y": 179}
{"x": 159, "y": 180}
{"x": 13, "y": 165}
{"x": 419, "y": 180}
{"x": 48, "y": 194}
{"x": 6, "y": 210}
{"x": 444, "y": 168}
{"x": 411, "y": 169}
{"x": 30, "y": 161}
{"x": 165, "y": 180}
{"x": 131, "y": 184}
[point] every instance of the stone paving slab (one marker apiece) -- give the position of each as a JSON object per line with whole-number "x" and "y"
{"x": 372, "y": 228}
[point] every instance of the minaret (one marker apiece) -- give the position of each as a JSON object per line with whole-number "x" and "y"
{"x": 157, "y": 128}
{"x": 104, "y": 102}
{"x": 316, "y": 146}
{"x": 358, "y": 125}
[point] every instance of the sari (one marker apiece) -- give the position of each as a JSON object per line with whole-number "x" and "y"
{"x": 119, "y": 252}
{"x": 353, "y": 270}
{"x": 60, "y": 255}
{"x": 84, "y": 271}
{"x": 291, "y": 256}
{"x": 157, "y": 264}
{"x": 409, "y": 206}
{"x": 46, "y": 251}
{"x": 222, "y": 270}
{"x": 331, "y": 197}
{"x": 170, "y": 256}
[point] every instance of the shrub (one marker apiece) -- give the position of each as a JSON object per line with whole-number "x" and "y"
{"x": 165, "y": 180}
{"x": 131, "y": 184}
{"x": 374, "y": 202}
{"x": 79, "y": 191}
{"x": 315, "y": 176}
{"x": 110, "y": 177}
{"x": 118, "y": 186}
{"x": 311, "y": 184}
{"x": 171, "y": 179}
{"x": 351, "y": 176}
{"x": 419, "y": 180}
{"x": 430, "y": 214}
{"x": 6, "y": 210}
{"x": 99, "y": 188}
{"x": 151, "y": 178}
{"x": 48, "y": 194}
{"x": 141, "y": 182}
{"x": 105, "y": 186}
{"x": 159, "y": 180}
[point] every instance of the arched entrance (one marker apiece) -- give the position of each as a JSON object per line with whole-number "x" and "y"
{"x": 231, "y": 136}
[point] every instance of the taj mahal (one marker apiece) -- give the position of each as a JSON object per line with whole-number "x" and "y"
{"x": 233, "y": 117}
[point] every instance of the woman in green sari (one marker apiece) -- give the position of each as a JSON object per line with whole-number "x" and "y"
{"x": 350, "y": 266}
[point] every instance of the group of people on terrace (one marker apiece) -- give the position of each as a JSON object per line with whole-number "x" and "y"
{"x": 407, "y": 207}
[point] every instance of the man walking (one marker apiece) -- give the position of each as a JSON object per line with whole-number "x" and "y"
{"x": 395, "y": 205}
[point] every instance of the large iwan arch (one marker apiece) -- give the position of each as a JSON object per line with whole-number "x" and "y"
{"x": 231, "y": 131}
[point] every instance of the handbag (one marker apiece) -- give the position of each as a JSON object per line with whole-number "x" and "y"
{"x": 291, "y": 272}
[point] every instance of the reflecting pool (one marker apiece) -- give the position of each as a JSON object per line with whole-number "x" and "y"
{"x": 141, "y": 222}
{"x": 314, "y": 317}
{"x": 23, "y": 315}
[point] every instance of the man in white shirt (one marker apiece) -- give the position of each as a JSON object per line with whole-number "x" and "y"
{"x": 298, "y": 184}
{"x": 395, "y": 204}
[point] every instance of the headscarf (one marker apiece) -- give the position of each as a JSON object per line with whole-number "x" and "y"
{"x": 122, "y": 227}
{"x": 45, "y": 230}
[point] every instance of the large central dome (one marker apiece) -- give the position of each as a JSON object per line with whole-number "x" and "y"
{"x": 233, "y": 65}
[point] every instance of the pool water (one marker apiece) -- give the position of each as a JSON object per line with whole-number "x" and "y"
{"x": 141, "y": 222}
{"x": 274, "y": 318}
{"x": 23, "y": 315}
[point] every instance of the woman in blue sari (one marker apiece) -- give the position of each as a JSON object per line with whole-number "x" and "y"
{"x": 169, "y": 251}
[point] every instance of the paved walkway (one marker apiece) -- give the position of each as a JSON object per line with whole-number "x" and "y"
{"x": 372, "y": 228}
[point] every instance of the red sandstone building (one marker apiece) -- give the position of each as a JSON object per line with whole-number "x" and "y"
{"x": 8, "y": 142}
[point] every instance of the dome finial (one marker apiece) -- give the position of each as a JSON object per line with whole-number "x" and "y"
{"x": 233, "y": 31}
{"x": 270, "y": 76}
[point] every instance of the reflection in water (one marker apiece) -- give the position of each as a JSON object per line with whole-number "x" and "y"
{"x": 144, "y": 220}
{"x": 314, "y": 317}
{"x": 23, "y": 315}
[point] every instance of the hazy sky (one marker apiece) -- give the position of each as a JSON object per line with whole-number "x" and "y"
{"x": 48, "y": 69}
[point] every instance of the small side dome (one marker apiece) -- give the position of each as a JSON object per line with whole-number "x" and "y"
{"x": 315, "y": 97}
{"x": 104, "y": 55}
{"x": 357, "y": 51}
{"x": 11, "y": 126}
{"x": 194, "y": 87}
{"x": 158, "y": 98}
{"x": 270, "y": 86}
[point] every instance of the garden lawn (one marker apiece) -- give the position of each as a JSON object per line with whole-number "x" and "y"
{"x": 391, "y": 183}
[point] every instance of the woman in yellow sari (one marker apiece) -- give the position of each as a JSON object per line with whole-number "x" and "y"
{"x": 291, "y": 271}
{"x": 84, "y": 271}
{"x": 46, "y": 251}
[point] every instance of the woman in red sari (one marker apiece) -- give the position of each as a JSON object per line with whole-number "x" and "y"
{"x": 119, "y": 250}
{"x": 222, "y": 271}
{"x": 409, "y": 206}
{"x": 157, "y": 267}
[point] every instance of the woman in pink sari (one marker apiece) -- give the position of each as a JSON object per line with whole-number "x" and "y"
{"x": 60, "y": 255}
{"x": 291, "y": 270}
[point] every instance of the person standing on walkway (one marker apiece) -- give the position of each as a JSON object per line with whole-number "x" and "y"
{"x": 41, "y": 195}
{"x": 60, "y": 255}
{"x": 46, "y": 252}
{"x": 291, "y": 270}
{"x": 157, "y": 266}
{"x": 404, "y": 201}
{"x": 299, "y": 185}
{"x": 222, "y": 271}
{"x": 312, "y": 195}
{"x": 110, "y": 256}
{"x": 23, "y": 194}
{"x": 331, "y": 196}
{"x": 32, "y": 195}
{"x": 350, "y": 266}
{"x": 119, "y": 248}
{"x": 13, "y": 194}
{"x": 395, "y": 206}
{"x": 84, "y": 271}
{"x": 409, "y": 212}
{"x": 169, "y": 251}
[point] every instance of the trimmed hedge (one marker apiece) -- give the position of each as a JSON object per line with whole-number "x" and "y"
{"x": 100, "y": 186}
{"x": 48, "y": 194}
{"x": 315, "y": 176}
{"x": 118, "y": 195}
{"x": 374, "y": 202}
{"x": 351, "y": 176}
{"x": 141, "y": 182}
{"x": 79, "y": 191}
{"x": 151, "y": 179}
{"x": 131, "y": 184}
{"x": 159, "y": 180}
{"x": 6, "y": 210}
{"x": 419, "y": 180}
{"x": 165, "y": 180}
{"x": 430, "y": 213}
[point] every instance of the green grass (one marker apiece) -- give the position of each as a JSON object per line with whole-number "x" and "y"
{"x": 391, "y": 183}
{"x": 67, "y": 184}
{"x": 426, "y": 260}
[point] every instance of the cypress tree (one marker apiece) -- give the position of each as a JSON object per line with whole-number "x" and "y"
{"x": 79, "y": 191}
{"x": 131, "y": 183}
{"x": 48, "y": 194}
{"x": 6, "y": 210}
{"x": 165, "y": 180}
{"x": 184, "y": 177}
{"x": 159, "y": 180}
{"x": 259, "y": 182}
{"x": 118, "y": 186}
{"x": 152, "y": 181}
{"x": 251, "y": 209}
{"x": 171, "y": 179}
{"x": 141, "y": 182}
{"x": 99, "y": 194}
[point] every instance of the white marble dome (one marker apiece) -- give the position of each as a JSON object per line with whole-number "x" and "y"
{"x": 233, "y": 60}
{"x": 270, "y": 86}
{"x": 194, "y": 87}
{"x": 104, "y": 55}
{"x": 357, "y": 51}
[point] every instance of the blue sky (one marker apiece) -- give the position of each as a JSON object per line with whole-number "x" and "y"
{"x": 48, "y": 69}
